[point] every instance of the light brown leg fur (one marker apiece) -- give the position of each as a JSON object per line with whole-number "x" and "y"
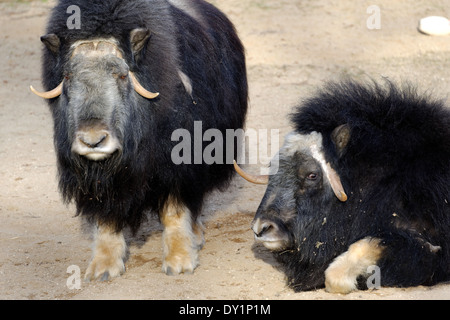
{"x": 181, "y": 239}
{"x": 108, "y": 254}
{"x": 341, "y": 274}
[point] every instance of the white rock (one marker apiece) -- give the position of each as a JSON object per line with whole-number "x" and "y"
{"x": 434, "y": 25}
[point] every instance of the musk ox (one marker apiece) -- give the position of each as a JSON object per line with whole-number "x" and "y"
{"x": 361, "y": 196}
{"x": 118, "y": 87}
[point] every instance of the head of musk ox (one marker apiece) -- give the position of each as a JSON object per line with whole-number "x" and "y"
{"x": 361, "y": 194}
{"x": 118, "y": 87}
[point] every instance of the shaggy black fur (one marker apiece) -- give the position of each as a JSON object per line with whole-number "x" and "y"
{"x": 396, "y": 172}
{"x": 119, "y": 189}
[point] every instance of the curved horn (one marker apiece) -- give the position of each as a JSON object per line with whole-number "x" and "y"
{"x": 48, "y": 94}
{"x": 336, "y": 184}
{"x": 261, "y": 179}
{"x": 140, "y": 89}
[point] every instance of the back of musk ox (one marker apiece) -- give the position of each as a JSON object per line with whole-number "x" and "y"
{"x": 118, "y": 87}
{"x": 362, "y": 190}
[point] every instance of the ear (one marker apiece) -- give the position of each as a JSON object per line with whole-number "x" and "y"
{"x": 52, "y": 42}
{"x": 138, "y": 39}
{"x": 340, "y": 137}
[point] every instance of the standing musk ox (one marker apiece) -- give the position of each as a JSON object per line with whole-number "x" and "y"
{"x": 363, "y": 182}
{"x": 118, "y": 87}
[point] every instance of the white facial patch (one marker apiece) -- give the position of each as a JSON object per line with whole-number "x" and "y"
{"x": 295, "y": 142}
{"x": 312, "y": 144}
{"x": 307, "y": 143}
{"x": 318, "y": 155}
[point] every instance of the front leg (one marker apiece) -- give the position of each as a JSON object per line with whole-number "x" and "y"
{"x": 341, "y": 275}
{"x": 182, "y": 238}
{"x": 108, "y": 254}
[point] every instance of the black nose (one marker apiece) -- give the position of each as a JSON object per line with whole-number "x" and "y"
{"x": 261, "y": 227}
{"x": 272, "y": 234}
{"x": 95, "y": 143}
{"x": 265, "y": 228}
{"x": 92, "y": 140}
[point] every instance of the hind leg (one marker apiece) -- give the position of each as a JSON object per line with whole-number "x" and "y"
{"x": 182, "y": 239}
{"x": 410, "y": 260}
{"x": 341, "y": 275}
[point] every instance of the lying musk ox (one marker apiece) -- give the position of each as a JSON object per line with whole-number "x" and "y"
{"x": 118, "y": 87}
{"x": 363, "y": 184}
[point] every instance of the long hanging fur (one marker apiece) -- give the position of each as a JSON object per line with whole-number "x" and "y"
{"x": 396, "y": 172}
{"x": 202, "y": 45}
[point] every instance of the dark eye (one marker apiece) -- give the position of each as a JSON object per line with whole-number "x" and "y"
{"x": 312, "y": 176}
{"x": 121, "y": 76}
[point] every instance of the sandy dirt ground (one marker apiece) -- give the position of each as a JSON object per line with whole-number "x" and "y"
{"x": 292, "y": 46}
